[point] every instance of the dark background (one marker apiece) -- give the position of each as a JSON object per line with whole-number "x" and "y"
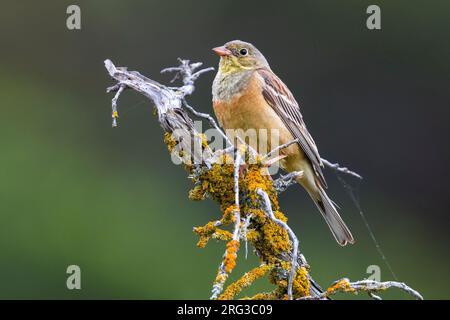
{"x": 75, "y": 191}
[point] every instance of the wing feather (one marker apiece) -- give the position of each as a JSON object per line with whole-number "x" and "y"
{"x": 286, "y": 107}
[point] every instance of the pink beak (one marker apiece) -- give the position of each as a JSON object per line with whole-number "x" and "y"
{"x": 222, "y": 51}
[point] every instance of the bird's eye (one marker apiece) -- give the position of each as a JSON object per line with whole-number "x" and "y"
{"x": 243, "y": 52}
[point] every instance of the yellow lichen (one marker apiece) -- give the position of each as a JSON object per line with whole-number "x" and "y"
{"x": 230, "y": 255}
{"x": 222, "y": 235}
{"x": 219, "y": 183}
{"x": 220, "y": 278}
{"x": 204, "y": 140}
{"x": 209, "y": 231}
{"x": 197, "y": 193}
{"x": 245, "y": 281}
{"x": 342, "y": 285}
{"x": 301, "y": 283}
{"x": 169, "y": 141}
{"x": 229, "y": 215}
{"x": 252, "y": 236}
{"x": 205, "y": 233}
{"x": 269, "y": 239}
{"x": 263, "y": 296}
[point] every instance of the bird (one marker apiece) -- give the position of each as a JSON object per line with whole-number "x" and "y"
{"x": 247, "y": 94}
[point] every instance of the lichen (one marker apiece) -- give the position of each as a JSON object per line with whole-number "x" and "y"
{"x": 230, "y": 255}
{"x": 209, "y": 231}
{"x": 271, "y": 241}
{"x": 301, "y": 284}
{"x": 170, "y": 141}
{"x": 342, "y": 285}
{"x": 245, "y": 281}
{"x": 218, "y": 182}
{"x": 263, "y": 296}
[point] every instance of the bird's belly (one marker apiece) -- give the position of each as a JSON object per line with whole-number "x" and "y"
{"x": 254, "y": 121}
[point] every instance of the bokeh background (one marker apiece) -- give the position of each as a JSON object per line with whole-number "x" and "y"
{"x": 75, "y": 191}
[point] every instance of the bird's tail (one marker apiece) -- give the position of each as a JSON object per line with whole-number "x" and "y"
{"x": 329, "y": 212}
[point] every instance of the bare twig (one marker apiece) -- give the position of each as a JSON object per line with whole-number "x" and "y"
{"x": 368, "y": 286}
{"x": 185, "y": 71}
{"x": 268, "y": 209}
{"x": 166, "y": 100}
{"x": 210, "y": 119}
{"x": 336, "y": 167}
{"x": 237, "y": 165}
{"x": 277, "y": 149}
{"x": 115, "y": 114}
{"x": 244, "y": 232}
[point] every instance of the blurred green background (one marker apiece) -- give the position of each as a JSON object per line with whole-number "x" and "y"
{"x": 75, "y": 191}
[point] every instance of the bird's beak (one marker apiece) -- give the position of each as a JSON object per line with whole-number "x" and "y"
{"x": 222, "y": 51}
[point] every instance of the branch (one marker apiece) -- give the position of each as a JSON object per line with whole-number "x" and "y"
{"x": 229, "y": 259}
{"x": 248, "y": 197}
{"x": 245, "y": 232}
{"x": 115, "y": 114}
{"x": 336, "y": 167}
{"x": 185, "y": 71}
{"x": 269, "y": 212}
{"x": 369, "y": 286}
{"x": 277, "y": 149}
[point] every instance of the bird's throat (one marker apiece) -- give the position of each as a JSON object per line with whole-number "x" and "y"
{"x": 227, "y": 85}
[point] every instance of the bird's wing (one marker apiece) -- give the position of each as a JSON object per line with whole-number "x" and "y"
{"x": 278, "y": 96}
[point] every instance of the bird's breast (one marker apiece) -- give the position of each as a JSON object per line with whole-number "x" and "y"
{"x": 249, "y": 116}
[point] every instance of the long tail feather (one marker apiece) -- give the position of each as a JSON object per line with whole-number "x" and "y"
{"x": 337, "y": 226}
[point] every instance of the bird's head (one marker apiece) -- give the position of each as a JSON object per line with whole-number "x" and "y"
{"x": 238, "y": 56}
